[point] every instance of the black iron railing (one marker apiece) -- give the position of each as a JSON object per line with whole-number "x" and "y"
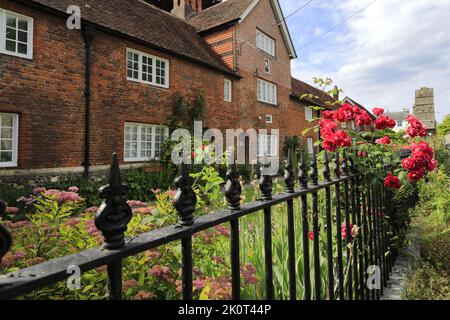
{"x": 365, "y": 206}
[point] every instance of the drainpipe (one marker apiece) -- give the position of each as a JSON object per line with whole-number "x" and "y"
{"x": 88, "y": 35}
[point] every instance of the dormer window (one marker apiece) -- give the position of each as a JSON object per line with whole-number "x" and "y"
{"x": 265, "y": 43}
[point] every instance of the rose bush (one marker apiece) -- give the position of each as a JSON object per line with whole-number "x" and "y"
{"x": 380, "y": 148}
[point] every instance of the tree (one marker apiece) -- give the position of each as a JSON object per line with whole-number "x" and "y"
{"x": 444, "y": 127}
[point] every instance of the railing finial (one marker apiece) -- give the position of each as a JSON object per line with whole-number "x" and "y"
{"x": 5, "y": 236}
{"x": 185, "y": 200}
{"x": 314, "y": 172}
{"x": 303, "y": 171}
{"x": 233, "y": 188}
{"x": 114, "y": 214}
{"x": 337, "y": 169}
{"x": 289, "y": 178}
{"x": 265, "y": 181}
{"x": 326, "y": 168}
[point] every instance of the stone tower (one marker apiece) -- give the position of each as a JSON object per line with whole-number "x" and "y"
{"x": 424, "y": 108}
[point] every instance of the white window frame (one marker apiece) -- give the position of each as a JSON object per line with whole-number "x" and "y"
{"x": 271, "y": 145}
{"x": 265, "y": 43}
{"x": 308, "y": 114}
{"x": 140, "y": 69}
{"x": 310, "y": 145}
{"x": 269, "y": 118}
{"x": 30, "y": 34}
{"x": 227, "y": 90}
{"x": 15, "y": 140}
{"x": 139, "y": 157}
{"x": 266, "y": 92}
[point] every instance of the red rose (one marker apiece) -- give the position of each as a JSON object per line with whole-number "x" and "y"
{"x": 408, "y": 164}
{"x": 381, "y": 123}
{"x": 329, "y": 146}
{"x": 392, "y": 181}
{"x": 344, "y": 230}
{"x": 328, "y": 115}
{"x": 311, "y": 235}
{"x": 416, "y": 175}
{"x": 392, "y": 123}
{"x": 384, "y": 140}
{"x": 432, "y": 165}
{"x": 378, "y": 111}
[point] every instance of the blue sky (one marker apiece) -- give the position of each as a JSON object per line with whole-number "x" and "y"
{"x": 380, "y": 56}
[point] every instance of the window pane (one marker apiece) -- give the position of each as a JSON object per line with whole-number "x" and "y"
{"x": 6, "y": 145}
{"x": 6, "y": 133}
{"x": 23, "y": 36}
{"x": 22, "y": 48}
{"x": 23, "y": 25}
{"x": 5, "y": 156}
{"x": 10, "y": 33}
{"x": 7, "y": 121}
{"x": 11, "y": 22}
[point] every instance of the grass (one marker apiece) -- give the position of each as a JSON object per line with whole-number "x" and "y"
{"x": 431, "y": 231}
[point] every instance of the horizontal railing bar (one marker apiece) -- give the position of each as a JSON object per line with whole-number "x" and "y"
{"x": 50, "y": 272}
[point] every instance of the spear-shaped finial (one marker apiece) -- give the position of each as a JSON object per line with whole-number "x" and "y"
{"x": 114, "y": 214}
{"x": 185, "y": 200}
{"x": 233, "y": 188}
{"x": 289, "y": 174}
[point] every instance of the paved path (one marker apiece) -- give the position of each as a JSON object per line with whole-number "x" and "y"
{"x": 395, "y": 284}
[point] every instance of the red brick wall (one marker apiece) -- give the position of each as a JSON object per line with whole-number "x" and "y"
{"x": 48, "y": 93}
{"x": 250, "y": 61}
{"x": 223, "y": 44}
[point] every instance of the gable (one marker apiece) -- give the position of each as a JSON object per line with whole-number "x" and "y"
{"x": 236, "y": 11}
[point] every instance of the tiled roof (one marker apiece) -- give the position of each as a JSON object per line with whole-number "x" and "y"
{"x": 146, "y": 23}
{"x": 300, "y": 88}
{"x": 398, "y": 116}
{"x": 220, "y": 14}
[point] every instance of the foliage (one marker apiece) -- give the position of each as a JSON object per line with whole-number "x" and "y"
{"x": 186, "y": 111}
{"x": 444, "y": 127}
{"x": 431, "y": 231}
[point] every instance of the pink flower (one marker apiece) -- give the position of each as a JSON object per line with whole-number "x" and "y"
{"x": 92, "y": 209}
{"x": 74, "y": 189}
{"x": 384, "y": 140}
{"x": 222, "y": 230}
{"x": 12, "y": 210}
{"x": 39, "y": 190}
{"x": 249, "y": 274}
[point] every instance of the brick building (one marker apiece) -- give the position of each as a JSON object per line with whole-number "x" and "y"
{"x": 70, "y": 98}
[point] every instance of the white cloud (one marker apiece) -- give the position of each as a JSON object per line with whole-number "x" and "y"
{"x": 382, "y": 55}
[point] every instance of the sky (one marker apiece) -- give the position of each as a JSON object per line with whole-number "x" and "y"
{"x": 380, "y": 56}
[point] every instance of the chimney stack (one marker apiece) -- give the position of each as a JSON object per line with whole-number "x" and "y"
{"x": 184, "y": 9}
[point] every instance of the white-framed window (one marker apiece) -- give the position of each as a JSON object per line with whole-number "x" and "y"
{"x": 265, "y": 43}
{"x": 16, "y": 34}
{"x": 266, "y": 92}
{"x": 142, "y": 142}
{"x": 269, "y": 118}
{"x": 308, "y": 114}
{"x": 227, "y": 90}
{"x": 9, "y": 133}
{"x": 146, "y": 68}
{"x": 267, "y": 145}
{"x": 267, "y": 66}
{"x": 310, "y": 145}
